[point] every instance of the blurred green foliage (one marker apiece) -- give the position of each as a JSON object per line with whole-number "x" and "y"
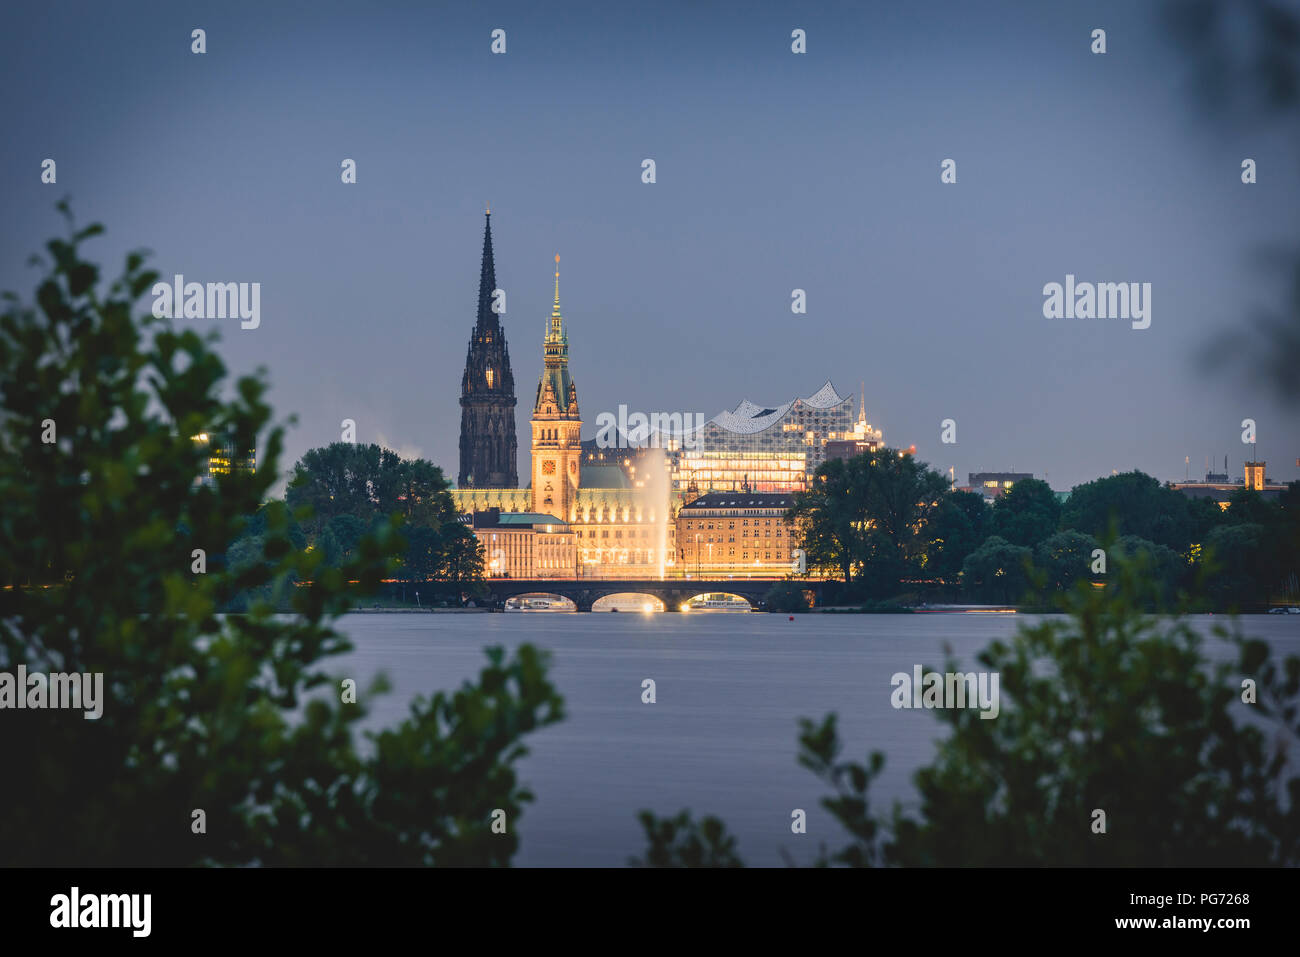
{"x": 234, "y": 715}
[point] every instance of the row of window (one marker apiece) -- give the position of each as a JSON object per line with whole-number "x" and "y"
{"x": 745, "y": 557}
{"x": 619, "y": 558}
{"x": 618, "y": 533}
{"x": 743, "y": 524}
{"x": 732, "y": 538}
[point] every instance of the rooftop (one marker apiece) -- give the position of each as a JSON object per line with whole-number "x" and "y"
{"x": 748, "y": 418}
{"x": 742, "y": 500}
{"x": 598, "y": 475}
{"x": 493, "y": 518}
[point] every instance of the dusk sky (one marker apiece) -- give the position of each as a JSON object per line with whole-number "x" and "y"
{"x": 775, "y": 171}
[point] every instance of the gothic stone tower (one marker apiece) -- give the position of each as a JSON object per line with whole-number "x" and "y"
{"x": 557, "y": 449}
{"x": 488, "y": 449}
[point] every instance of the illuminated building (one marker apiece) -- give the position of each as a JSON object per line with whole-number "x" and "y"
{"x": 861, "y": 440}
{"x": 557, "y": 446}
{"x": 1217, "y": 488}
{"x": 524, "y": 545}
{"x": 801, "y": 425}
{"x": 735, "y": 534}
{"x": 624, "y": 530}
{"x": 699, "y": 470}
{"x": 223, "y": 457}
{"x": 992, "y": 485}
{"x": 620, "y": 525}
{"x": 622, "y": 507}
{"x": 769, "y": 448}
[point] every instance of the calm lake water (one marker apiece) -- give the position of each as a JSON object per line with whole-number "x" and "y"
{"x": 721, "y": 737}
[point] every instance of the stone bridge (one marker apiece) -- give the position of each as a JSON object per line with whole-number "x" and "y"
{"x": 585, "y": 592}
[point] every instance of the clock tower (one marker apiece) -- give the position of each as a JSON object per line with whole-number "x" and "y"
{"x": 557, "y": 447}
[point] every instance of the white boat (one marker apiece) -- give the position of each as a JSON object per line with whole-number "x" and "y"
{"x": 529, "y": 604}
{"x": 717, "y": 602}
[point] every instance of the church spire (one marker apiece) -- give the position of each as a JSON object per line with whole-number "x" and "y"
{"x": 556, "y": 331}
{"x": 488, "y": 448}
{"x": 487, "y": 278}
{"x": 556, "y": 385}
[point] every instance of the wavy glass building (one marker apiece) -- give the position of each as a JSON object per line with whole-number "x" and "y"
{"x": 764, "y": 448}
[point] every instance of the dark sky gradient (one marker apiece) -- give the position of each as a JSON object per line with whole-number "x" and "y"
{"x": 775, "y": 171}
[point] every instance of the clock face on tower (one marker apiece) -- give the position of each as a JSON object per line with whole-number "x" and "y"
{"x": 548, "y": 468}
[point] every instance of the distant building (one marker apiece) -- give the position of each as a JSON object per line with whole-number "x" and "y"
{"x": 618, "y": 509}
{"x": 1218, "y": 489}
{"x": 760, "y": 448}
{"x": 849, "y": 448}
{"x": 223, "y": 457}
{"x": 801, "y": 425}
{"x": 638, "y": 465}
{"x": 703, "y": 470}
{"x": 488, "y": 447}
{"x": 524, "y": 545}
{"x": 992, "y": 485}
{"x": 860, "y": 441}
{"x": 619, "y": 524}
{"x": 740, "y": 534}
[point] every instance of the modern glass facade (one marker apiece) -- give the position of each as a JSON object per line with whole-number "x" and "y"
{"x": 766, "y": 448}
{"x": 722, "y": 471}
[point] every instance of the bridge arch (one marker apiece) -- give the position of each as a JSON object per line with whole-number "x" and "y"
{"x": 717, "y": 600}
{"x": 540, "y": 601}
{"x": 629, "y": 601}
{"x": 586, "y": 592}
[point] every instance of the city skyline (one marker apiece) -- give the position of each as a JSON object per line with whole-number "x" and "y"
{"x": 897, "y": 467}
{"x": 775, "y": 172}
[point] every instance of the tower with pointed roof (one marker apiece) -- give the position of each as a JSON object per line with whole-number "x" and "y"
{"x": 557, "y": 447}
{"x": 488, "y": 447}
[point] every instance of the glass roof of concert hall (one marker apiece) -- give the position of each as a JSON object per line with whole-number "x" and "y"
{"x": 749, "y": 418}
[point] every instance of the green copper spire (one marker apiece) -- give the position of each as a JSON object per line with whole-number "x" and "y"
{"x": 555, "y": 352}
{"x": 555, "y": 333}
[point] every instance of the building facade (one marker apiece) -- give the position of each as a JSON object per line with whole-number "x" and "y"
{"x": 730, "y": 534}
{"x": 488, "y": 447}
{"x": 618, "y": 525}
{"x": 709, "y": 501}
{"x": 992, "y": 485}
{"x": 525, "y": 545}
{"x": 1218, "y": 489}
{"x": 224, "y": 457}
{"x": 768, "y": 448}
{"x": 556, "y": 423}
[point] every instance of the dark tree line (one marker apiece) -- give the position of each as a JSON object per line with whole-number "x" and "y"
{"x": 884, "y": 523}
{"x": 340, "y": 493}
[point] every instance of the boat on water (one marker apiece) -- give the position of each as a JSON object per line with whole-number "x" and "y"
{"x": 717, "y": 602}
{"x": 530, "y": 604}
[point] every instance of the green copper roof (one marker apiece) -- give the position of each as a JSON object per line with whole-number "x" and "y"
{"x": 529, "y": 518}
{"x": 555, "y": 352}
